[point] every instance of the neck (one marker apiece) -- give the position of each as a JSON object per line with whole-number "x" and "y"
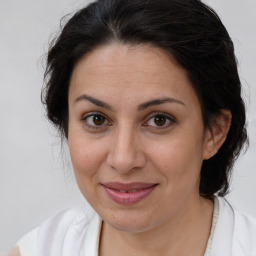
{"x": 184, "y": 234}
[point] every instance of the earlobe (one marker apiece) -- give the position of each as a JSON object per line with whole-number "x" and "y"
{"x": 217, "y": 133}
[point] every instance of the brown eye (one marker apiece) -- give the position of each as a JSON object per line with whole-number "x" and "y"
{"x": 160, "y": 120}
{"x": 94, "y": 120}
{"x": 98, "y": 120}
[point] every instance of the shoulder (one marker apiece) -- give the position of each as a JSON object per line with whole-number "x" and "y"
{"x": 54, "y": 233}
{"x": 245, "y": 233}
{"x": 14, "y": 252}
{"x": 239, "y": 220}
{"x": 235, "y": 231}
{"x": 26, "y": 244}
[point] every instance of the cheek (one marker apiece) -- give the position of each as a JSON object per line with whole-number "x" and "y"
{"x": 179, "y": 158}
{"x": 86, "y": 157}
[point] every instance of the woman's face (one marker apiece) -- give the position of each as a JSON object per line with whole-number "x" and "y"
{"x": 136, "y": 136}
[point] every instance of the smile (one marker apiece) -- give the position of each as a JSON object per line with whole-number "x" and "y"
{"x": 128, "y": 194}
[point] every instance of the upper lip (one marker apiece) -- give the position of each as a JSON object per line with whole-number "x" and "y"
{"x": 128, "y": 186}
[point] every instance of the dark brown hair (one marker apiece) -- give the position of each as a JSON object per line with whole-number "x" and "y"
{"x": 190, "y": 31}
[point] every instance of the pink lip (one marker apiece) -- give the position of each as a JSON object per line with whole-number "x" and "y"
{"x": 134, "y": 192}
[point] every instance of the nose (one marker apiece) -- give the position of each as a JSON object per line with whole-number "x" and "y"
{"x": 126, "y": 153}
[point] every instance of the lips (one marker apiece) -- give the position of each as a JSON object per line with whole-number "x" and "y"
{"x": 129, "y": 193}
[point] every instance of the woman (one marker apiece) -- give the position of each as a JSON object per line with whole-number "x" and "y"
{"x": 148, "y": 96}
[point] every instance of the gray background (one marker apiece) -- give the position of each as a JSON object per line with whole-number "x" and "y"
{"x": 36, "y": 179}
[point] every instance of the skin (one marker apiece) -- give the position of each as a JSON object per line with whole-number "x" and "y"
{"x": 129, "y": 145}
{"x": 14, "y": 252}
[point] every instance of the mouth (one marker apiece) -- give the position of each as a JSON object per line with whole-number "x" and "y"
{"x": 128, "y": 194}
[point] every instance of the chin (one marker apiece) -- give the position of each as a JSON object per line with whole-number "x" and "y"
{"x": 129, "y": 227}
{"x": 128, "y": 221}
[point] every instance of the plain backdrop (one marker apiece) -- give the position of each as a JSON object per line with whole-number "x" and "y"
{"x": 36, "y": 178}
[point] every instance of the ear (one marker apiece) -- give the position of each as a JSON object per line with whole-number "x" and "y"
{"x": 216, "y": 134}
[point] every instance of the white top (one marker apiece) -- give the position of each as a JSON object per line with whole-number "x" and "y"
{"x": 72, "y": 233}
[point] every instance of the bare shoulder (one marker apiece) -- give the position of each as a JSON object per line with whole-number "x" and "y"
{"x": 14, "y": 252}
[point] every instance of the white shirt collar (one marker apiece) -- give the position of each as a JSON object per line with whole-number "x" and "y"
{"x": 92, "y": 236}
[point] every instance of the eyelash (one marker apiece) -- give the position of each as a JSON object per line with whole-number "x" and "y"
{"x": 167, "y": 118}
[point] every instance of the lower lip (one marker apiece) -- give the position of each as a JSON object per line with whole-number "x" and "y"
{"x": 130, "y": 197}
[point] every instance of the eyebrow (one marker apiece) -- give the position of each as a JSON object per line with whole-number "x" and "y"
{"x": 141, "y": 107}
{"x": 94, "y": 101}
{"x": 158, "y": 102}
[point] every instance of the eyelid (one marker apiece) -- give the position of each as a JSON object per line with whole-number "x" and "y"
{"x": 92, "y": 113}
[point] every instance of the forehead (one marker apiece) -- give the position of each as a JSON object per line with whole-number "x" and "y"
{"x": 143, "y": 70}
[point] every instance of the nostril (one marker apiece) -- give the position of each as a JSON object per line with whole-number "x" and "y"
{"x": 124, "y": 162}
{"x": 121, "y": 162}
